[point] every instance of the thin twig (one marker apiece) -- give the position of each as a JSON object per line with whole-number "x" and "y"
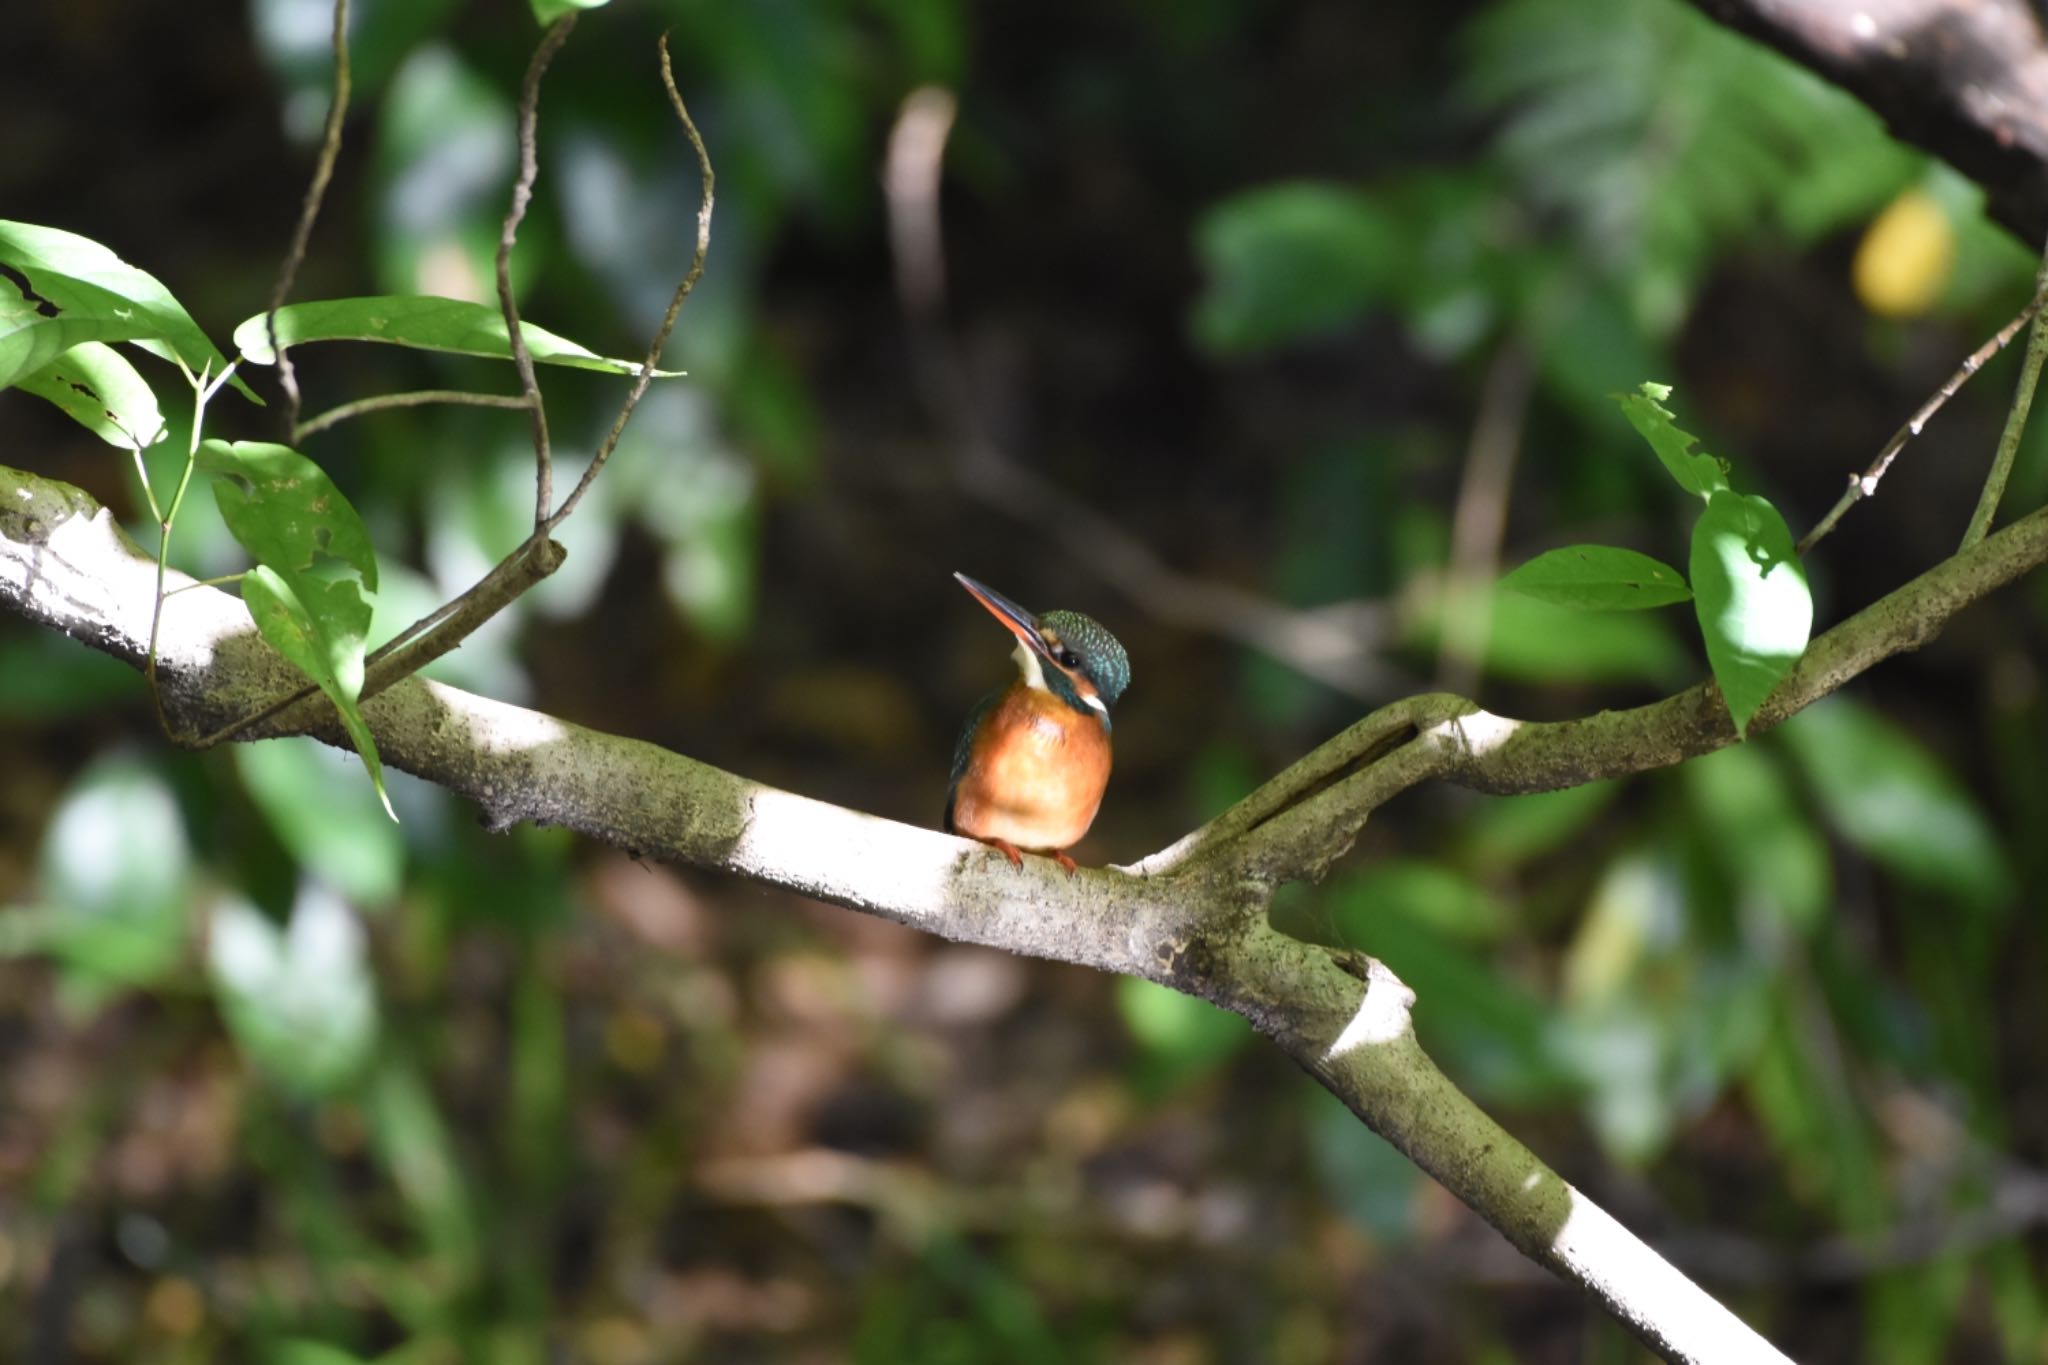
{"x": 309, "y": 210}
{"x": 2015, "y": 419}
{"x": 675, "y": 303}
{"x": 522, "y": 195}
{"x": 534, "y": 558}
{"x": 203, "y": 390}
{"x": 1864, "y": 485}
{"x": 417, "y": 398}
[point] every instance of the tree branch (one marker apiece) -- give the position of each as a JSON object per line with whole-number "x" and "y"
{"x": 1964, "y": 79}
{"x": 1192, "y": 917}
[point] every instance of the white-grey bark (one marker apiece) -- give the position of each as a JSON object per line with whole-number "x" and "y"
{"x": 1192, "y": 916}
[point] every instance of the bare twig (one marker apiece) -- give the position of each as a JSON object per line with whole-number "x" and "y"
{"x": 522, "y": 194}
{"x": 538, "y": 556}
{"x": 309, "y": 212}
{"x": 2015, "y": 418}
{"x": 709, "y": 181}
{"x": 384, "y": 402}
{"x": 1864, "y": 485}
{"x": 1338, "y": 645}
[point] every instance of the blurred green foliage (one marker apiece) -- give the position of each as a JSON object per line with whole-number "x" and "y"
{"x": 293, "y": 1083}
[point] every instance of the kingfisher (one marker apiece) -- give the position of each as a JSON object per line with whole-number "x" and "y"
{"x": 1029, "y": 770}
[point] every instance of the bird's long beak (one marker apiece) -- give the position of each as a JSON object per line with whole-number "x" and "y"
{"x": 1021, "y": 622}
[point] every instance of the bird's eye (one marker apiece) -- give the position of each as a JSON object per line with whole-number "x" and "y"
{"x": 1069, "y": 659}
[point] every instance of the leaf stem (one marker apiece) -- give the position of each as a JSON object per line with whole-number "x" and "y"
{"x": 2015, "y": 418}
{"x": 203, "y": 391}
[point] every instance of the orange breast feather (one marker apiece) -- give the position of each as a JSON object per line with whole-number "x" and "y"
{"x": 1035, "y": 775}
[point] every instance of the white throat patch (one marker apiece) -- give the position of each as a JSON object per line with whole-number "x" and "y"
{"x": 1033, "y": 669}
{"x": 1029, "y": 666}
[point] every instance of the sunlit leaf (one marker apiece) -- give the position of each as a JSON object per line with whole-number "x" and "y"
{"x": 298, "y": 999}
{"x": 319, "y": 623}
{"x": 31, "y": 340}
{"x": 1751, "y": 597}
{"x": 74, "y": 272}
{"x": 284, "y": 509}
{"x": 97, "y": 387}
{"x": 547, "y": 11}
{"x": 423, "y": 323}
{"x": 1895, "y": 801}
{"x": 1598, "y": 578}
{"x": 1701, "y": 474}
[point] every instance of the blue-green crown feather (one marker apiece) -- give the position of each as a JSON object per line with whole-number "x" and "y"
{"x": 1102, "y": 659}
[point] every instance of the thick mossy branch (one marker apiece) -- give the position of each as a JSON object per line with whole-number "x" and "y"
{"x": 1191, "y": 916}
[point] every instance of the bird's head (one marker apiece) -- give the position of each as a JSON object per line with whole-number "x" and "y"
{"x": 1063, "y": 652}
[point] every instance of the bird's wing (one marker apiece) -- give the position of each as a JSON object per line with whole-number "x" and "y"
{"x": 963, "y": 751}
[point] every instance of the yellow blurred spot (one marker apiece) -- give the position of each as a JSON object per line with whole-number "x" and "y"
{"x": 614, "y": 1340}
{"x": 174, "y": 1306}
{"x": 634, "y": 1039}
{"x": 1904, "y": 260}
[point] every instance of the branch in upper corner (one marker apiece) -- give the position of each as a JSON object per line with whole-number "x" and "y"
{"x": 522, "y": 194}
{"x": 309, "y": 211}
{"x": 1963, "y": 79}
{"x": 709, "y": 180}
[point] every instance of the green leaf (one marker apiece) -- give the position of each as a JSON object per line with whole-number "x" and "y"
{"x": 1768, "y": 846}
{"x": 1502, "y": 833}
{"x": 71, "y": 271}
{"x": 1599, "y": 578}
{"x": 1701, "y": 474}
{"x": 422, "y": 322}
{"x": 1898, "y": 803}
{"x": 97, "y": 387}
{"x": 1183, "y": 1037}
{"x": 284, "y": 509}
{"x": 1288, "y": 261}
{"x": 411, "y": 1141}
{"x": 1534, "y": 641}
{"x": 319, "y": 624}
{"x": 1751, "y": 595}
{"x": 299, "y": 1001}
{"x": 547, "y": 11}
{"x": 331, "y": 828}
{"x": 115, "y": 871}
{"x": 1492, "y": 1032}
{"x": 31, "y": 340}
{"x": 1428, "y": 894}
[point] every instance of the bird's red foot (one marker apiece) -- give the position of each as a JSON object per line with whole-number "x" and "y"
{"x": 1007, "y": 849}
{"x": 1063, "y": 860}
